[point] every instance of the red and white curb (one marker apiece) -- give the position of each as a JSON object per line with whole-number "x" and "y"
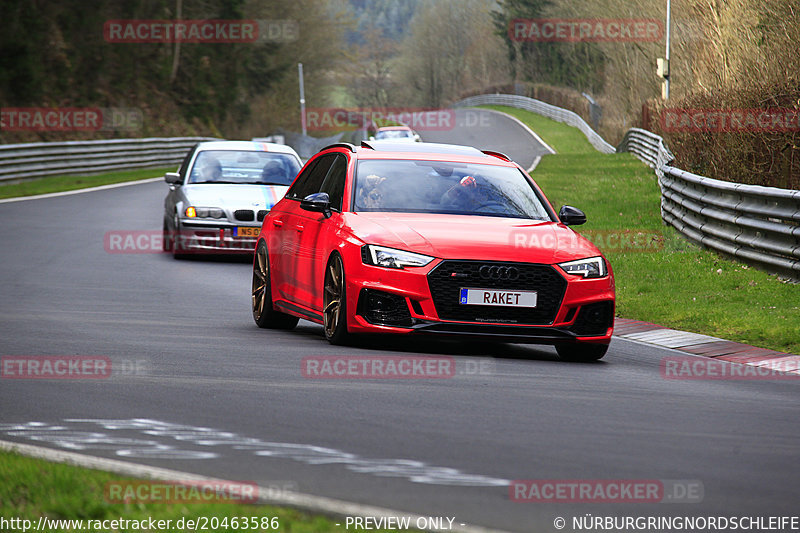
{"x": 706, "y": 345}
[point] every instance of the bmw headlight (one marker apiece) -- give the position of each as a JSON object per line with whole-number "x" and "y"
{"x": 592, "y": 267}
{"x": 392, "y": 258}
{"x": 204, "y": 212}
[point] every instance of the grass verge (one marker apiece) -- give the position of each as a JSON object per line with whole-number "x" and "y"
{"x": 69, "y": 183}
{"x": 669, "y": 281}
{"x": 34, "y": 488}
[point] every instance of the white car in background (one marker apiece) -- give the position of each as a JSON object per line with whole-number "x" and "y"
{"x": 221, "y": 194}
{"x": 396, "y": 134}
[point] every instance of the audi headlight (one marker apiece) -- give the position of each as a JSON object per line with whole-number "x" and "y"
{"x": 392, "y": 258}
{"x": 204, "y": 212}
{"x": 592, "y": 267}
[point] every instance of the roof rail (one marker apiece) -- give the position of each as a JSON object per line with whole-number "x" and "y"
{"x": 340, "y": 145}
{"x": 428, "y": 148}
{"x": 499, "y": 155}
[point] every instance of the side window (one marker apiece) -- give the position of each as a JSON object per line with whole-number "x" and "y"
{"x": 310, "y": 181}
{"x": 185, "y": 164}
{"x": 334, "y": 182}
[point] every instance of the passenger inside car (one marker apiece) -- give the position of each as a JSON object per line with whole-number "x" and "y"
{"x": 370, "y": 192}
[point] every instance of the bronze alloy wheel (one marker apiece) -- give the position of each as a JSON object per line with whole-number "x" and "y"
{"x": 260, "y": 278}
{"x": 334, "y": 302}
{"x": 263, "y": 313}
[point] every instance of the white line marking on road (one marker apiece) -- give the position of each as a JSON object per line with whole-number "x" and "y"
{"x": 306, "y": 502}
{"x": 79, "y": 191}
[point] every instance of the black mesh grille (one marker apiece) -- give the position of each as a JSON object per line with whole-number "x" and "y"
{"x": 594, "y": 319}
{"x": 383, "y": 308}
{"x": 245, "y": 215}
{"x": 449, "y": 277}
{"x": 261, "y": 214}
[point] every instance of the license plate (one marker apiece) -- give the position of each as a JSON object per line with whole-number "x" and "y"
{"x": 501, "y": 298}
{"x": 246, "y": 231}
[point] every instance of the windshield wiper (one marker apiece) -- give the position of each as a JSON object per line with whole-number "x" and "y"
{"x": 218, "y": 181}
{"x": 267, "y": 183}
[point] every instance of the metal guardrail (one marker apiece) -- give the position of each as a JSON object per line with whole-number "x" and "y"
{"x": 541, "y": 108}
{"x": 32, "y": 160}
{"x": 759, "y": 225}
{"x": 647, "y": 146}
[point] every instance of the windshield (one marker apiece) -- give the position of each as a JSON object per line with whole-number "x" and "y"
{"x": 446, "y": 188}
{"x": 244, "y": 167}
{"x": 393, "y": 134}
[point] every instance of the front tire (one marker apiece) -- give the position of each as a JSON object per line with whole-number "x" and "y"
{"x": 263, "y": 313}
{"x": 582, "y": 353}
{"x": 334, "y": 302}
{"x": 166, "y": 238}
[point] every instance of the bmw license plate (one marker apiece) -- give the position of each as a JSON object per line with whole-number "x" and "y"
{"x": 246, "y": 231}
{"x": 501, "y": 298}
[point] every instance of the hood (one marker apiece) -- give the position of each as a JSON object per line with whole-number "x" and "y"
{"x": 234, "y": 196}
{"x": 472, "y": 237}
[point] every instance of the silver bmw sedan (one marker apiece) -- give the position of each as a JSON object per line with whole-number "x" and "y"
{"x": 221, "y": 193}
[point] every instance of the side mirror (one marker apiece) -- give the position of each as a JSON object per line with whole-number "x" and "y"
{"x": 371, "y": 137}
{"x": 318, "y": 202}
{"x": 173, "y": 178}
{"x": 571, "y": 216}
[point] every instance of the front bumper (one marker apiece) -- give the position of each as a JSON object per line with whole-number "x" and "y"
{"x": 208, "y": 239}
{"x": 410, "y": 301}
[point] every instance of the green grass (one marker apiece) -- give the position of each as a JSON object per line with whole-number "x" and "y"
{"x": 32, "y": 488}
{"x": 679, "y": 285}
{"x": 69, "y": 183}
{"x": 562, "y": 138}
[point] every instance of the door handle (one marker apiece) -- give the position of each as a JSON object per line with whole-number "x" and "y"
{"x": 277, "y": 222}
{"x": 299, "y": 227}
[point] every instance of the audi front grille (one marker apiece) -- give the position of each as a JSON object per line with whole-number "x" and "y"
{"x": 449, "y": 277}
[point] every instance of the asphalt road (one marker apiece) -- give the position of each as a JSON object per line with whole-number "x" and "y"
{"x": 487, "y": 130}
{"x": 198, "y": 387}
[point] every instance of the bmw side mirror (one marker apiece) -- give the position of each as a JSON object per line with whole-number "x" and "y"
{"x": 571, "y": 216}
{"x": 173, "y": 178}
{"x": 318, "y": 202}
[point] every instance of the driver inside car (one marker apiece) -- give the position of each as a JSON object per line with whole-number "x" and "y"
{"x": 463, "y": 195}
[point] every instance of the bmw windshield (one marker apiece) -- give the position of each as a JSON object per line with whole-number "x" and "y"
{"x": 244, "y": 167}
